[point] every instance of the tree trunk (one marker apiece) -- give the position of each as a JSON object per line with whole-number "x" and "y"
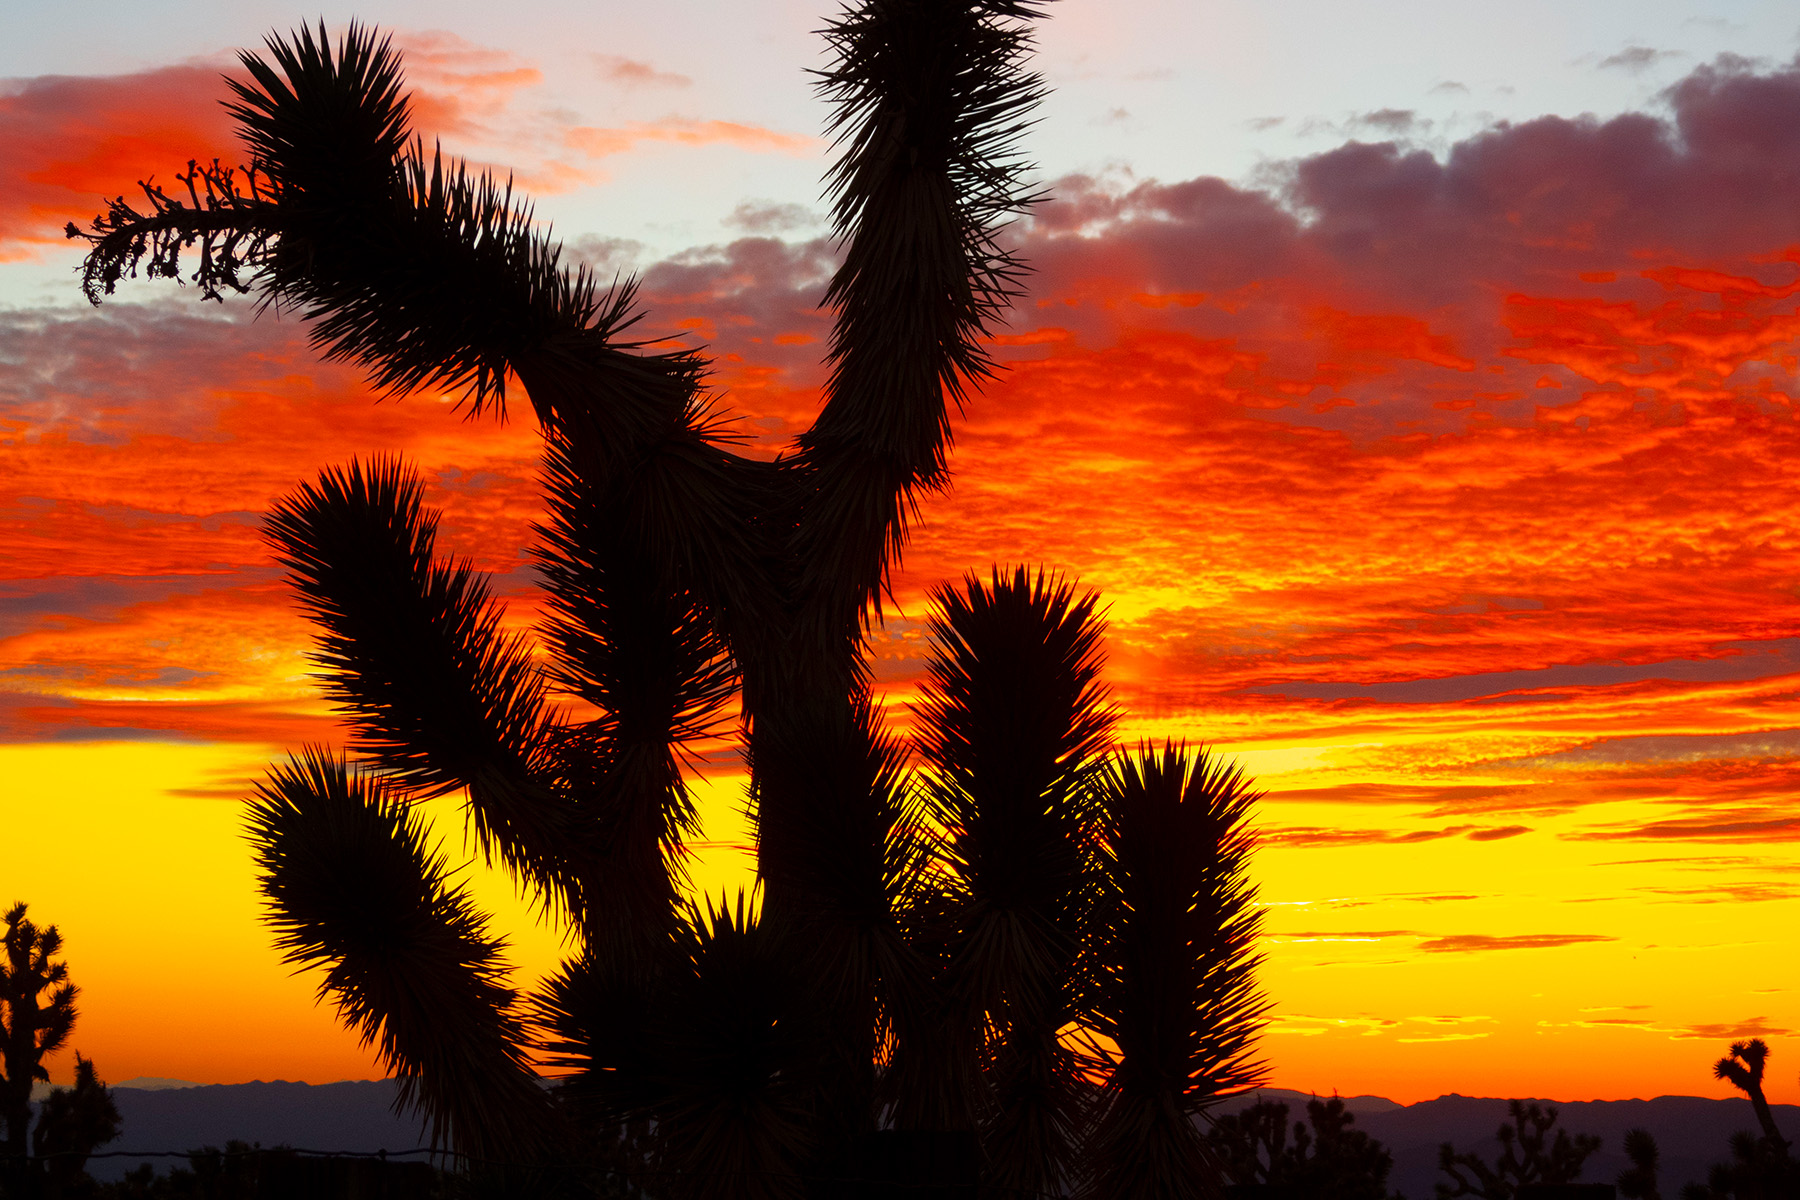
{"x": 15, "y": 1091}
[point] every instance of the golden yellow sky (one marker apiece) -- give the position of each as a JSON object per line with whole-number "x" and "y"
{"x": 1453, "y": 493}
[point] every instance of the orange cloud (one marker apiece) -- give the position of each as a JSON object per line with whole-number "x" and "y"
{"x": 633, "y": 73}
{"x": 460, "y": 91}
{"x": 599, "y": 142}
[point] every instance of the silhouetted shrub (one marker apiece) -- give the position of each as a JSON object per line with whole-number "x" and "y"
{"x": 1524, "y": 1157}
{"x": 1323, "y": 1159}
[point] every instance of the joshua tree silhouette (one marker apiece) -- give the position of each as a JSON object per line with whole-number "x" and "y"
{"x": 1638, "y": 1181}
{"x": 1760, "y": 1167}
{"x": 36, "y": 1026}
{"x": 923, "y": 941}
{"x": 1524, "y": 1157}
{"x": 1743, "y": 1068}
{"x": 1325, "y": 1158}
{"x": 72, "y": 1124}
{"x": 37, "y": 1014}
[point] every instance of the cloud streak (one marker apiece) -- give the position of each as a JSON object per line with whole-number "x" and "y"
{"x": 1473, "y": 943}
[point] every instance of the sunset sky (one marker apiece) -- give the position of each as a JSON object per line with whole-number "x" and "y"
{"x": 1415, "y": 382}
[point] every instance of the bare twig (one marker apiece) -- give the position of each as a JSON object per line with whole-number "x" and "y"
{"x": 230, "y": 214}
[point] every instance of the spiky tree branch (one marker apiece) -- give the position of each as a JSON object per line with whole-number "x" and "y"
{"x": 931, "y": 98}
{"x": 406, "y": 956}
{"x": 1013, "y": 717}
{"x": 1744, "y": 1067}
{"x": 648, "y": 655}
{"x": 1175, "y": 1012}
{"x": 413, "y": 651}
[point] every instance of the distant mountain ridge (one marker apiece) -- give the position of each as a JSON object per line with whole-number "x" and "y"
{"x": 352, "y": 1116}
{"x": 1690, "y": 1131}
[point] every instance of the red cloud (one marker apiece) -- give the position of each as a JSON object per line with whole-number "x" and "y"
{"x": 1526, "y": 406}
{"x": 1756, "y": 825}
{"x": 1462, "y": 943}
{"x": 66, "y": 143}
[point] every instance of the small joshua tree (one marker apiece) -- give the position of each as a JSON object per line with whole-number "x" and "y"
{"x": 1323, "y": 1159}
{"x": 72, "y": 1123}
{"x": 37, "y": 1015}
{"x": 1744, "y": 1067}
{"x": 1760, "y": 1167}
{"x": 1524, "y": 1156}
{"x": 1638, "y": 1181}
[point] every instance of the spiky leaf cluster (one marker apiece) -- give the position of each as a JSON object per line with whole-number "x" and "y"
{"x": 340, "y": 215}
{"x": 412, "y": 650}
{"x": 1175, "y": 1010}
{"x": 355, "y": 890}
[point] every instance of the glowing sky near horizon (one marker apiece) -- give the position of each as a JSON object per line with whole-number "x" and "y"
{"x": 1435, "y": 459}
